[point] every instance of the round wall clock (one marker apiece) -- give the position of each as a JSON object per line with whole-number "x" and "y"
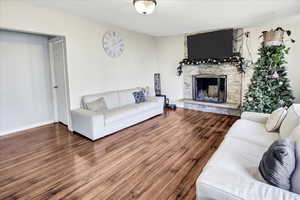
{"x": 113, "y": 44}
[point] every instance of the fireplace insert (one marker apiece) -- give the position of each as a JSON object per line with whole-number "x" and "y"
{"x": 210, "y": 88}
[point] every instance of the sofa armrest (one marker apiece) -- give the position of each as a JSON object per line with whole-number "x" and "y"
{"x": 87, "y": 123}
{"x": 157, "y": 99}
{"x": 255, "y": 117}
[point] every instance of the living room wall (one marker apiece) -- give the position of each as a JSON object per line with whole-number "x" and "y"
{"x": 90, "y": 70}
{"x": 171, "y": 51}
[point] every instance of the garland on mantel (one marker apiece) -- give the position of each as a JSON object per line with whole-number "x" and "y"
{"x": 237, "y": 61}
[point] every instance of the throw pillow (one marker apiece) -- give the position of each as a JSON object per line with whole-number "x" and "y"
{"x": 278, "y": 164}
{"x": 139, "y": 96}
{"x": 275, "y": 119}
{"x": 291, "y": 120}
{"x": 146, "y": 91}
{"x": 296, "y": 175}
{"x": 98, "y": 105}
{"x": 295, "y": 135}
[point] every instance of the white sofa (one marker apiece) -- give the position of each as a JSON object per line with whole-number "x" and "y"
{"x": 122, "y": 112}
{"x": 231, "y": 173}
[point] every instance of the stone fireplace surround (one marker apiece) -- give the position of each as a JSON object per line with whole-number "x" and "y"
{"x": 235, "y": 82}
{"x": 234, "y": 88}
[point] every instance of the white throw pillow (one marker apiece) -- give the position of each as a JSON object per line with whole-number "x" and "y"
{"x": 295, "y": 135}
{"x": 98, "y": 105}
{"x": 275, "y": 119}
{"x": 291, "y": 121}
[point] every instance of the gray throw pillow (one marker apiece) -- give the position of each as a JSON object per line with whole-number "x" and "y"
{"x": 278, "y": 164}
{"x": 139, "y": 97}
{"x": 98, "y": 105}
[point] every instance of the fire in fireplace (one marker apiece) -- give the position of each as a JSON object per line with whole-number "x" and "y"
{"x": 210, "y": 88}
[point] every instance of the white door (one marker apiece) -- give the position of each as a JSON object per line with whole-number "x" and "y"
{"x": 59, "y": 83}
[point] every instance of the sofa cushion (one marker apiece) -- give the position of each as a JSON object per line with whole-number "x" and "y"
{"x": 238, "y": 156}
{"x": 111, "y": 99}
{"x": 291, "y": 120}
{"x": 295, "y": 134}
{"x": 97, "y": 106}
{"x": 252, "y": 132}
{"x": 275, "y": 119}
{"x": 278, "y": 163}
{"x": 255, "y": 117}
{"x": 120, "y": 113}
{"x": 126, "y": 96}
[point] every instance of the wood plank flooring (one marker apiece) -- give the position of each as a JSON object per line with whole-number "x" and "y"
{"x": 160, "y": 158}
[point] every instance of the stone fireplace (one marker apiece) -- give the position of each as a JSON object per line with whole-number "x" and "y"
{"x": 214, "y": 88}
{"x": 210, "y": 88}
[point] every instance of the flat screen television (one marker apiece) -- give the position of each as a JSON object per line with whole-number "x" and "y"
{"x": 217, "y": 44}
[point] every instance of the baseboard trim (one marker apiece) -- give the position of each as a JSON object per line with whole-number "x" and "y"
{"x": 26, "y": 128}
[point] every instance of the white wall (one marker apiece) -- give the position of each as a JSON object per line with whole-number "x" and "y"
{"x": 25, "y": 86}
{"x": 293, "y": 58}
{"x": 170, "y": 50}
{"x": 89, "y": 69}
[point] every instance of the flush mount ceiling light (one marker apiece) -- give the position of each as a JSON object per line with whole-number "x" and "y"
{"x": 144, "y": 7}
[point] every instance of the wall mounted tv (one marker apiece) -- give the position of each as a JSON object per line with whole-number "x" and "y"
{"x": 217, "y": 44}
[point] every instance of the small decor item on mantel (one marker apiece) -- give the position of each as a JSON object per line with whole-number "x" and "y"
{"x": 275, "y": 37}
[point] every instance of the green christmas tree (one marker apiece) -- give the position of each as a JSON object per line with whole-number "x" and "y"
{"x": 269, "y": 88}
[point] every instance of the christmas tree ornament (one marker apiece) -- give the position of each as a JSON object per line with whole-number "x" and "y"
{"x": 281, "y": 102}
{"x": 275, "y": 75}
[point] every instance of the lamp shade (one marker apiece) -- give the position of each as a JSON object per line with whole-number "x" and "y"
{"x": 144, "y": 7}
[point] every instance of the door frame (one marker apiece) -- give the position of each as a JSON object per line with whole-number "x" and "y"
{"x": 66, "y": 80}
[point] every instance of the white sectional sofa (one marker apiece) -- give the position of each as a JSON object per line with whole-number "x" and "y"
{"x": 122, "y": 112}
{"x": 231, "y": 173}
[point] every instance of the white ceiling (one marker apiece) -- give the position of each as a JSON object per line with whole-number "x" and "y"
{"x": 174, "y": 17}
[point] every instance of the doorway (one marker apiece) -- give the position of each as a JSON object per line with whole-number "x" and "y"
{"x": 34, "y": 87}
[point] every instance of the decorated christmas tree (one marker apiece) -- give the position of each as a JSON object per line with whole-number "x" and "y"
{"x": 269, "y": 88}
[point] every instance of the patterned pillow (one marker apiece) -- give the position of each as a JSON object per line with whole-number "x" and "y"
{"x": 139, "y": 96}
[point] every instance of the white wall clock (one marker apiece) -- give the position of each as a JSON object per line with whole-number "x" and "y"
{"x": 113, "y": 44}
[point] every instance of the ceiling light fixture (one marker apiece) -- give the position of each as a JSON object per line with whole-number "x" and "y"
{"x": 145, "y": 7}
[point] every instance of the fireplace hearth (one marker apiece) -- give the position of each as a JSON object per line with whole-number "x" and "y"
{"x": 210, "y": 88}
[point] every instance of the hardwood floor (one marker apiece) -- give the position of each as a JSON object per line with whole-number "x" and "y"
{"x": 157, "y": 159}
